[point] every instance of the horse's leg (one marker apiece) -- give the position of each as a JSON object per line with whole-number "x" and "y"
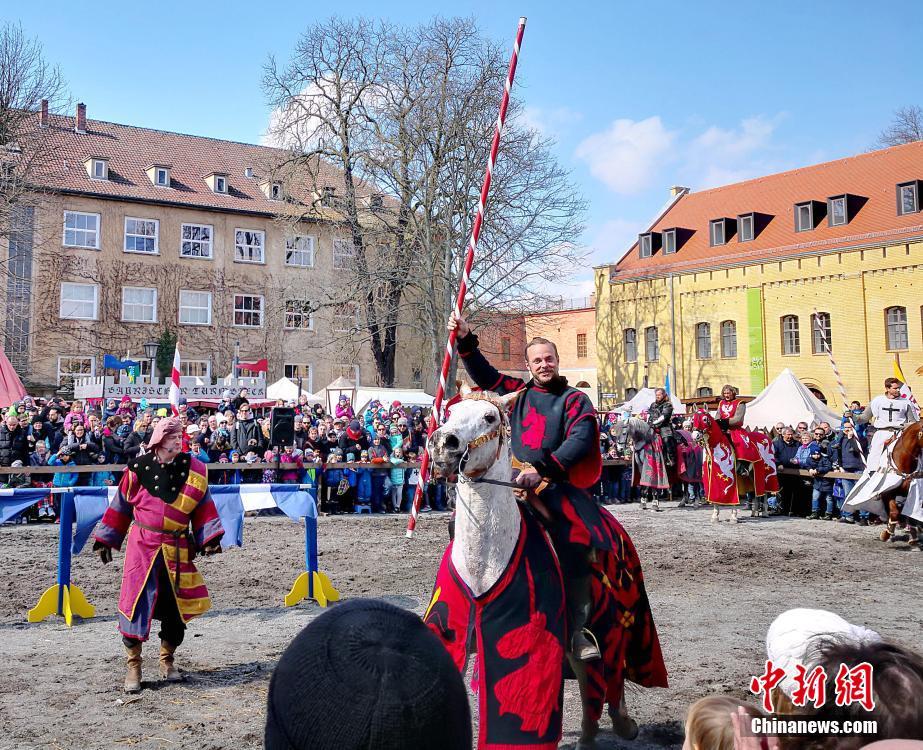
{"x": 714, "y": 514}
{"x": 655, "y": 499}
{"x": 589, "y": 726}
{"x": 889, "y": 502}
{"x": 622, "y": 723}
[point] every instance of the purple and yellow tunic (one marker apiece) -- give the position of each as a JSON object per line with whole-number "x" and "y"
{"x": 162, "y": 501}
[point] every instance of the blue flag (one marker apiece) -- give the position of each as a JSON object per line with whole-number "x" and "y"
{"x": 114, "y": 363}
{"x": 90, "y": 504}
{"x": 666, "y": 383}
{"x": 15, "y": 501}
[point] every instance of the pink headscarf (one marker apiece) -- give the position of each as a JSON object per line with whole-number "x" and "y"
{"x": 166, "y": 428}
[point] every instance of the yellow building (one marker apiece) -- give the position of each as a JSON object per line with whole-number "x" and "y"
{"x": 732, "y": 285}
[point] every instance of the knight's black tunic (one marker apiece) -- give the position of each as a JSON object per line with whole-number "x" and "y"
{"x": 554, "y": 429}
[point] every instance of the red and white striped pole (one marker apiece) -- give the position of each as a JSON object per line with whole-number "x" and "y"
{"x": 463, "y": 288}
{"x": 174, "y": 382}
{"x": 836, "y": 372}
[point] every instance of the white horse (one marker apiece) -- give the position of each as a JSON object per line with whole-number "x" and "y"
{"x": 473, "y": 446}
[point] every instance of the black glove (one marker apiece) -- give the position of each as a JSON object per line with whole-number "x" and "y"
{"x": 724, "y": 424}
{"x": 104, "y": 552}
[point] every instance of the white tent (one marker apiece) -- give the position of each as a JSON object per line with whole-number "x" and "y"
{"x": 387, "y": 396}
{"x": 644, "y": 398}
{"x": 287, "y": 390}
{"x": 786, "y": 399}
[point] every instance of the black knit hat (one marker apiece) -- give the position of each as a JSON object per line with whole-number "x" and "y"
{"x": 367, "y": 675}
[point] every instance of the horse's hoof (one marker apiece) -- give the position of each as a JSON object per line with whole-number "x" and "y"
{"x": 625, "y": 727}
{"x": 884, "y": 535}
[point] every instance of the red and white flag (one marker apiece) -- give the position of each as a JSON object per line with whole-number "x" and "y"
{"x": 174, "y": 383}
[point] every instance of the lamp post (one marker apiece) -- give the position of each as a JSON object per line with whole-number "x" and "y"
{"x": 150, "y": 351}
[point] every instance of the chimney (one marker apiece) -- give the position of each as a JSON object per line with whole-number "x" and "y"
{"x": 43, "y": 115}
{"x": 80, "y": 124}
{"x": 678, "y": 190}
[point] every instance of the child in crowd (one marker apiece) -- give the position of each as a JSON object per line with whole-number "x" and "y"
{"x": 292, "y": 466}
{"x": 75, "y": 416}
{"x": 332, "y": 478}
{"x": 364, "y": 484}
{"x": 397, "y": 479}
{"x": 101, "y": 478}
{"x": 413, "y": 479}
{"x": 270, "y": 476}
{"x": 819, "y": 464}
{"x": 251, "y": 476}
{"x": 17, "y": 481}
{"x": 712, "y": 723}
{"x": 197, "y": 451}
{"x": 348, "y": 499}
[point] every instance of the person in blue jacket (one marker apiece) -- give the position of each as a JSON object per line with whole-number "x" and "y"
{"x": 818, "y": 465}
{"x": 332, "y": 477}
{"x": 364, "y": 484}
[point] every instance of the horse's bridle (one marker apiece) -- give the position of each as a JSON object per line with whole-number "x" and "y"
{"x": 499, "y": 432}
{"x": 918, "y": 474}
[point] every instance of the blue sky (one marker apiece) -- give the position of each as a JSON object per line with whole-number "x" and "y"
{"x": 639, "y": 96}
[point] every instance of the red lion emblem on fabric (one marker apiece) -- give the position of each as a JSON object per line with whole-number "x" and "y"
{"x": 533, "y": 433}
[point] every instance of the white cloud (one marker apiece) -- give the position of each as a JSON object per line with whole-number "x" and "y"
{"x": 720, "y": 156}
{"x": 550, "y": 122}
{"x": 627, "y": 155}
{"x": 613, "y": 238}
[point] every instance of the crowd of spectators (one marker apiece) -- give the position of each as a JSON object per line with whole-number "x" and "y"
{"x": 383, "y": 445}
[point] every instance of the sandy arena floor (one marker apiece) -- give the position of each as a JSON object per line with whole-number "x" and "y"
{"x": 714, "y": 591}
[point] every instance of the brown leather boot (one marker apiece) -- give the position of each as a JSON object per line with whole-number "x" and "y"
{"x": 133, "y": 675}
{"x": 168, "y": 670}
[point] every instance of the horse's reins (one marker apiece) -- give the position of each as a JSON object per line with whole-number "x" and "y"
{"x": 918, "y": 474}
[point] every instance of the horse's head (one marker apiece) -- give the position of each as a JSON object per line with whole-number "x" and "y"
{"x": 469, "y": 441}
{"x": 702, "y": 422}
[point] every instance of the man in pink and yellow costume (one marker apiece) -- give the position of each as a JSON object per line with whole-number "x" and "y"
{"x": 164, "y": 508}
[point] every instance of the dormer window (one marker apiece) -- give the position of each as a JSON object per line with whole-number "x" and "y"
{"x": 745, "y": 228}
{"x": 908, "y": 198}
{"x": 837, "y": 211}
{"x": 97, "y": 168}
{"x": 217, "y": 181}
{"x": 159, "y": 174}
{"x": 669, "y": 241}
{"x": 717, "y": 232}
{"x": 808, "y": 215}
{"x": 272, "y": 190}
{"x": 648, "y": 244}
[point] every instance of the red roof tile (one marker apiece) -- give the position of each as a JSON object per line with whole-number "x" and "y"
{"x": 131, "y": 150}
{"x": 872, "y": 175}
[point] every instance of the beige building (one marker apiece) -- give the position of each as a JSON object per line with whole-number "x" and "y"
{"x": 140, "y": 230}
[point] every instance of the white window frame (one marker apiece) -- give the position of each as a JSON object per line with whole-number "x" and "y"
{"x": 645, "y": 246}
{"x": 338, "y": 317}
{"x": 291, "y": 250}
{"x": 155, "y": 222}
{"x": 634, "y": 344}
{"x": 833, "y": 201}
{"x": 64, "y": 357}
{"x": 649, "y": 355}
{"x": 221, "y": 184}
{"x": 791, "y": 336}
{"x": 307, "y": 383}
{"x": 714, "y": 224}
{"x": 238, "y": 254}
{"x": 187, "y": 306}
{"x": 897, "y": 331}
{"x": 585, "y": 347}
{"x": 703, "y": 340}
{"x": 799, "y": 224}
{"x": 77, "y": 229}
{"x": 275, "y": 191}
{"x": 184, "y": 368}
{"x": 339, "y": 254}
{"x": 158, "y": 171}
{"x": 669, "y": 241}
{"x": 821, "y": 331}
{"x": 153, "y": 304}
{"x": 912, "y": 187}
{"x": 728, "y": 331}
{"x": 94, "y": 287}
{"x": 210, "y": 242}
{"x": 244, "y": 311}
{"x": 94, "y": 163}
{"x": 286, "y": 313}
{"x": 745, "y": 220}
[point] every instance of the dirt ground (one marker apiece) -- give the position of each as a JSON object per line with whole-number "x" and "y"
{"x": 714, "y": 590}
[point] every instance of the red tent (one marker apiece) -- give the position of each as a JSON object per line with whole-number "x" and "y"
{"x": 11, "y": 388}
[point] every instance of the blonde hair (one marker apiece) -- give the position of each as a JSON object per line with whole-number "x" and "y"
{"x": 709, "y": 725}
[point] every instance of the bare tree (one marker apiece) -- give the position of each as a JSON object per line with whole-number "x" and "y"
{"x": 407, "y": 116}
{"x": 905, "y": 127}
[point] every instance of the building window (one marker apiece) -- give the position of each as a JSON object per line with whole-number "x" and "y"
{"x": 139, "y": 304}
{"x": 275, "y": 191}
{"x": 195, "y": 308}
{"x": 745, "y": 228}
{"x": 791, "y": 342}
{"x": 221, "y": 184}
{"x": 804, "y": 217}
{"x": 581, "y": 346}
{"x": 836, "y": 209}
{"x": 248, "y": 245}
{"x": 79, "y": 301}
{"x": 704, "y": 392}
{"x": 141, "y": 236}
{"x": 630, "y": 393}
{"x": 728, "y": 339}
{"x": 248, "y": 310}
{"x": 350, "y": 372}
{"x": 162, "y": 177}
{"x": 69, "y": 367}
{"x": 896, "y": 321}
{"x": 669, "y": 241}
{"x": 631, "y": 345}
{"x": 646, "y": 245}
{"x": 299, "y": 251}
{"x": 505, "y": 351}
{"x": 716, "y": 232}
{"x": 820, "y": 333}
{"x": 345, "y": 318}
{"x": 703, "y": 341}
{"x": 298, "y": 315}
{"x": 908, "y": 198}
{"x": 343, "y": 253}
{"x": 81, "y": 230}
{"x": 195, "y": 241}
{"x": 416, "y": 377}
{"x": 651, "y": 344}
{"x": 100, "y": 169}
{"x": 195, "y": 368}
{"x": 299, "y": 371}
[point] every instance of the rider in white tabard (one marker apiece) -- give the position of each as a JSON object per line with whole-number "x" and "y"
{"x": 887, "y": 414}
